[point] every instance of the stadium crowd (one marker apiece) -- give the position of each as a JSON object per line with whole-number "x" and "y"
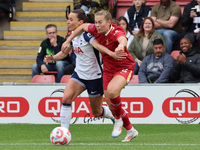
{"x": 142, "y": 25}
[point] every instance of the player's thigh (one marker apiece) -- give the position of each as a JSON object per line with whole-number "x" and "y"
{"x": 115, "y": 86}
{"x": 72, "y": 90}
{"x": 96, "y": 105}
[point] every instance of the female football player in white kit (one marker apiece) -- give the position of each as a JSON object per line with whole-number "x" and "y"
{"x": 116, "y": 74}
{"x": 87, "y": 73}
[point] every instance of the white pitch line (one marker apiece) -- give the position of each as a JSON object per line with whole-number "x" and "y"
{"x": 91, "y": 144}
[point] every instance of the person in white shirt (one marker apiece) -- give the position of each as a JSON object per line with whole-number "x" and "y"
{"x": 123, "y": 22}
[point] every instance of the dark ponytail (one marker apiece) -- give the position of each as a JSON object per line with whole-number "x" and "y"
{"x": 87, "y": 18}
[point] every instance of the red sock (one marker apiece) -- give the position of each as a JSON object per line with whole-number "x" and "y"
{"x": 116, "y": 104}
{"x": 127, "y": 124}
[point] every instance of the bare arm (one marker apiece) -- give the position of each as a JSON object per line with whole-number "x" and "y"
{"x": 103, "y": 49}
{"x": 80, "y": 29}
{"x": 157, "y": 25}
{"x": 122, "y": 44}
{"x": 169, "y": 23}
{"x": 166, "y": 23}
{"x": 58, "y": 56}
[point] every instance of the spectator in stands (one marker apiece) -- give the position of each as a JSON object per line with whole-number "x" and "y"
{"x": 136, "y": 14}
{"x": 155, "y": 68}
{"x": 142, "y": 44}
{"x": 187, "y": 65}
{"x": 51, "y": 45}
{"x": 166, "y": 16}
{"x": 91, "y": 6}
{"x": 123, "y": 22}
{"x": 8, "y": 7}
{"x": 191, "y": 22}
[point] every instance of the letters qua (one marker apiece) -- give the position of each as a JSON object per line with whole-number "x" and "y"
{"x": 135, "y": 107}
{"x": 182, "y": 107}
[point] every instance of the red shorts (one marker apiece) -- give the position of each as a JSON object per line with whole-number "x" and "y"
{"x": 107, "y": 77}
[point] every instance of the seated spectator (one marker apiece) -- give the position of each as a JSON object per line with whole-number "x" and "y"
{"x": 187, "y": 66}
{"x": 166, "y": 16}
{"x": 190, "y": 22}
{"x": 91, "y": 6}
{"x": 142, "y": 44}
{"x": 7, "y": 7}
{"x": 155, "y": 68}
{"x": 123, "y": 22}
{"x": 136, "y": 14}
{"x": 50, "y": 46}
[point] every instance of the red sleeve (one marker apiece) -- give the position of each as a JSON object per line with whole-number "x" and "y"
{"x": 91, "y": 28}
{"x": 120, "y": 32}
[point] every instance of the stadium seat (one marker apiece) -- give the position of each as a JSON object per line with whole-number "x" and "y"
{"x": 135, "y": 79}
{"x": 65, "y": 79}
{"x": 43, "y": 79}
{"x": 175, "y": 53}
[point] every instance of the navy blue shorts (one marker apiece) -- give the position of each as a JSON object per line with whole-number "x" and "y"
{"x": 94, "y": 87}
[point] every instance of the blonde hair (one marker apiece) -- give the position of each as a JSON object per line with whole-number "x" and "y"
{"x": 107, "y": 15}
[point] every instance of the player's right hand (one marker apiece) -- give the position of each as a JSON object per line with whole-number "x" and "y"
{"x": 119, "y": 55}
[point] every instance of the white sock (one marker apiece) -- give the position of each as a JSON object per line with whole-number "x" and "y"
{"x": 65, "y": 115}
{"x": 107, "y": 113}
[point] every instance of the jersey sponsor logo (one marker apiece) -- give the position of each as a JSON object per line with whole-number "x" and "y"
{"x": 182, "y": 107}
{"x": 13, "y": 106}
{"x": 116, "y": 31}
{"x": 77, "y": 50}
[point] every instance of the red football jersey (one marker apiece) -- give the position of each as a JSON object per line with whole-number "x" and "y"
{"x": 110, "y": 41}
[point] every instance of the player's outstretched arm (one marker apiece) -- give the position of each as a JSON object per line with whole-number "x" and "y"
{"x": 58, "y": 56}
{"x": 103, "y": 49}
{"x": 122, "y": 44}
{"x": 79, "y": 30}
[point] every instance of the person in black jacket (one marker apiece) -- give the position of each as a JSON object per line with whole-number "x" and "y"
{"x": 50, "y": 46}
{"x": 187, "y": 66}
{"x": 136, "y": 14}
{"x": 191, "y": 22}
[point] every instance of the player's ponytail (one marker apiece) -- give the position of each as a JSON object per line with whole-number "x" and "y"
{"x": 81, "y": 15}
{"x": 90, "y": 18}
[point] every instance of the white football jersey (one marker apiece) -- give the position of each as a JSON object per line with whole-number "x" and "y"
{"x": 88, "y": 59}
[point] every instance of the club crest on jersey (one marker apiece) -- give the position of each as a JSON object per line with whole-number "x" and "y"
{"x": 107, "y": 42}
{"x": 77, "y": 50}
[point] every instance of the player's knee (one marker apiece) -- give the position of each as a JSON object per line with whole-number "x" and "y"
{"x": 112, "y": 93}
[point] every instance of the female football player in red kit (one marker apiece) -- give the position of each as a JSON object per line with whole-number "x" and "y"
{"x": 116, "y": 73}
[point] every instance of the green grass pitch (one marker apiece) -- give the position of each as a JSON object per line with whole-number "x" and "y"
{"x": 98, "y": 137}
